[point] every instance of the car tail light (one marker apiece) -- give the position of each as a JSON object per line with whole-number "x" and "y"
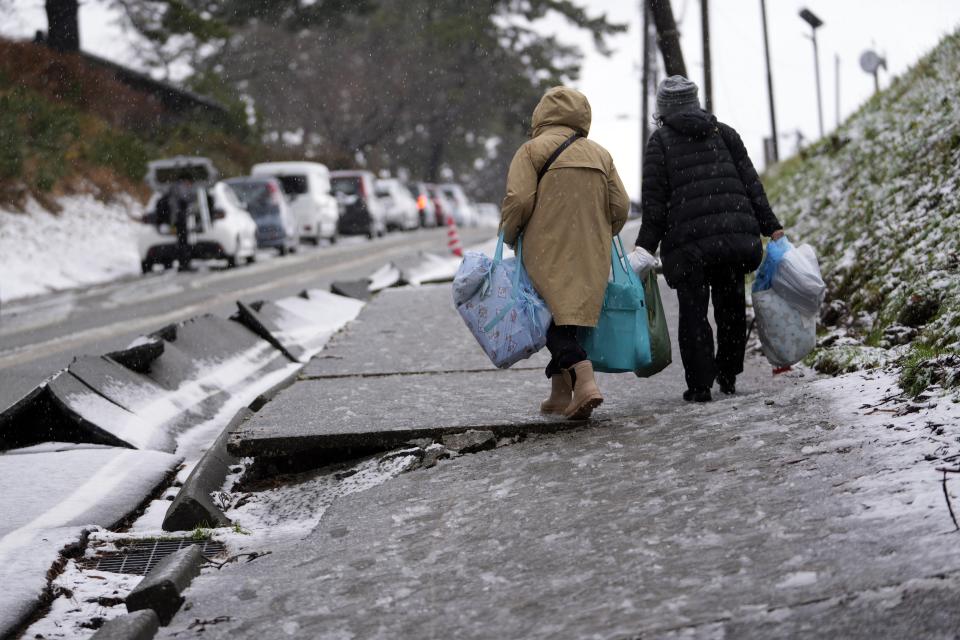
{"x": 421, "y": 202}
{"x": 218, "y": 214}
{"x": 363, "y": 188}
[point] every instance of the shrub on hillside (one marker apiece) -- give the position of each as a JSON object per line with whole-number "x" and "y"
{"x": 882, "y": 209}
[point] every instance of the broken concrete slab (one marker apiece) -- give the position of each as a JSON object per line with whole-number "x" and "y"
{"x": 356, "y": 289}
{"x": 34, "y": 418}
{"x": 98, "y": 420}
{"x": 138, "y": 356}
{"x": 78, "y": 486}
{"x": 193, "y": 507}
{"x": 128, "y": 389}
{"x": 139, "y": 625}
{"x": 470, "y": 441}
{"x": 259, "y": 317}
{"x": 162, "y": 588}
{"x": 387, "y": 411}
{"x": 386, "y": 276}
{"x": 393, "y": 334}
{"x": 200, "y": 343}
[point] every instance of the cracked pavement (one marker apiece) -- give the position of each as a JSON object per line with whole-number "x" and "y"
{"x": 781, "y": 512}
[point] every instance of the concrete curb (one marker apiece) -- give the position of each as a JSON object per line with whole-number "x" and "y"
{"x": 165, "y": 361}
{"x": 193, "y": 506}
{"x": 357, "y": 289}
{"x": 250, "y": 317}
{"x": 162, "y": 588}
{"x": 139, "y": 625}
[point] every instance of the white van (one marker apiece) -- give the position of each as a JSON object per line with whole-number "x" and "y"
{"x": 307, "y": 187}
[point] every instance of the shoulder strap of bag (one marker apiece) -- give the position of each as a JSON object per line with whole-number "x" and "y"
{"x": 556, "y": 154}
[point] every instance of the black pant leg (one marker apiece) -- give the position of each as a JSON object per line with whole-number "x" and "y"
{"x": 730, "y": 315}
{"x": 695, "y": 334}
{"x": 564, "y": 349}
{"x": 183, "y": 242}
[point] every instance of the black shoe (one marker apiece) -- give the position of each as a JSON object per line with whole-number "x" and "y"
{"x": 691, "y": 395}
{"x": 727, "y": 385}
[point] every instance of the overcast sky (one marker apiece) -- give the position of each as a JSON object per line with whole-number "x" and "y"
{"x": 901, "y": 30}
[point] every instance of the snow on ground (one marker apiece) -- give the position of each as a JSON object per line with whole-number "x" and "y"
{"x": 89, "y": 242}
{"x": 49, "y": 497}
{"x": 84, "y": 600}
{"x": 872, "y": 406}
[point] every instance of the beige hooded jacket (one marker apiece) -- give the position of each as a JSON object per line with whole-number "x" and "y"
{"x": 567, "y": 224}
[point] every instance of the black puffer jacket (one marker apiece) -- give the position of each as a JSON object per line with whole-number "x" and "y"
{"x": 702, "y": 200}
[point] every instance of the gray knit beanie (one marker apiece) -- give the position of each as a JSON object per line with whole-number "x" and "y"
{"x": 676, "y": 94}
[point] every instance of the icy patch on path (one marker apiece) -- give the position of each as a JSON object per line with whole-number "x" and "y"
{"x": 289, "y": 512}
{"x": 89, "y": 242}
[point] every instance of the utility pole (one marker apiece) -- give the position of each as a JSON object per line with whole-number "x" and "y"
{"x": 707, "y": 67}
{"x": 815, "y": 23}
{"x": 668, "y": 37}
{"x": 836, "y": 76}
{"x": 646, "y": 41}
{"x": 773, "y": 116}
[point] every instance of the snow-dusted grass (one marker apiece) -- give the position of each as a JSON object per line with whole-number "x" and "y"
{"x": 880, "y": 200}
{"x": 88, "y": 242}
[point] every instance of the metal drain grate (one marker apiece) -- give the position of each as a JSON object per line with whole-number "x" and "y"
{"x": 140, "y": 557}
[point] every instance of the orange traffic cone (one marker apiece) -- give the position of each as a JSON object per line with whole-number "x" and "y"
{"x": 453, "y": 238}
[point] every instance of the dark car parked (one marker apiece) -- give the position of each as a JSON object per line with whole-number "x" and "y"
{"x": 361, "y": 211}
{"x": 263, "y": 198}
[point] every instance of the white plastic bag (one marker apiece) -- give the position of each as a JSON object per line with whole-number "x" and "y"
{"x": 786, "y": 333}
{"x": 798, "y": 281}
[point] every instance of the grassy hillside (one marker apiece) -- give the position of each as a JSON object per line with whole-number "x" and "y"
{"x": 880, "y": 200}
{"x": 66, "y": 127}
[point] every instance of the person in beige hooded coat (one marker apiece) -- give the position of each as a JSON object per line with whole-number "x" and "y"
{"x": 568, "y": 221}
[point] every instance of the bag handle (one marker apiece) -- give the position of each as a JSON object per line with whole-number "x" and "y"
{"x": 556, "y": 154}
{"x": 617, "y": 259}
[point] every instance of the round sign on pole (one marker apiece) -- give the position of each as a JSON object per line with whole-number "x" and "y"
{"x": 870, "y": 61}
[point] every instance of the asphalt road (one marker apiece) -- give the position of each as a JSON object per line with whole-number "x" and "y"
{"x": 39, "y": 336}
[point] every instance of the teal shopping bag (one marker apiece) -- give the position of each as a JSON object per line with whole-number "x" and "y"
{"x": 621, "y": 340}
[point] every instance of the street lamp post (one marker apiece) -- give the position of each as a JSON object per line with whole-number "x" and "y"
{"x": 815, "y": 23}
{"x": 775, "y": 148}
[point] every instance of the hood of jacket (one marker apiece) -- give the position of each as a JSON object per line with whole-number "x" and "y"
{"x": 562, "y": 106}
{"x": 695, "y": 124}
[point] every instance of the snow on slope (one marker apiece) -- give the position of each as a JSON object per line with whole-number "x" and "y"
{"x": 880, "y": 200}
{"x": 89, "y": 242}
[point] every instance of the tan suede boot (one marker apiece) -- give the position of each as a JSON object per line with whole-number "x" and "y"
{"x": 586, "y": 394}
{"x": 560, "y": 394}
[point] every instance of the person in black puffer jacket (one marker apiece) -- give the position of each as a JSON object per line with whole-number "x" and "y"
{"x": 704, "y": 206}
